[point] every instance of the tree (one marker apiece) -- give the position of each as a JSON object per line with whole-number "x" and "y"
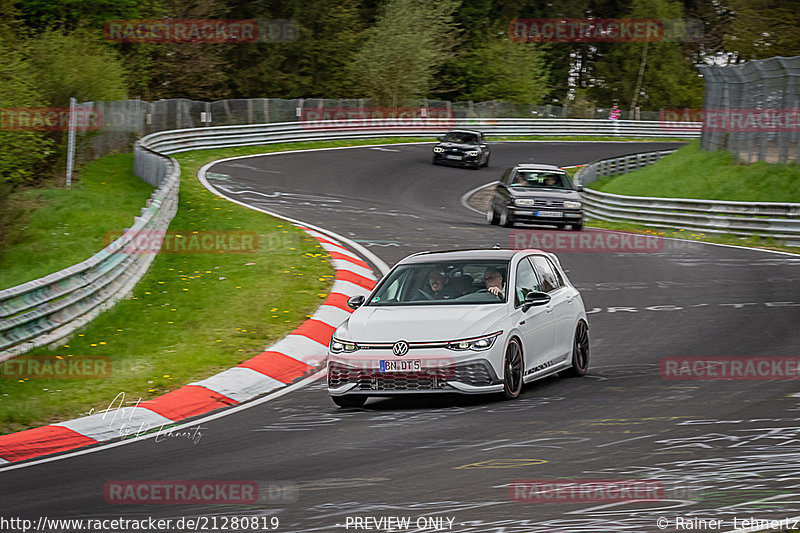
{"x": 69, "y": 15}
{"x": 501, "y": 69}
{"x": 405, "y": 49}
{"x": 763, "y": 28}
{"x": 75, "y": 64}
{"x": 651, "y": 75}
{"x": 23, "y": 152}
{"x": 330, "y": 32}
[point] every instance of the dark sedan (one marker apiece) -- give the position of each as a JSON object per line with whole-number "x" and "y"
{"x": 536, "y": 194}
{"x": 463, "y": 148}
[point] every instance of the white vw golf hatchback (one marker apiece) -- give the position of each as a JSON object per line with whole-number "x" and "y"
{"x": 468, "y": 321}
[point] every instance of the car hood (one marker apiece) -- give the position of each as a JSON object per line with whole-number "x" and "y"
{"x": 420, "y": 322}
{"x": 555, "y": 194}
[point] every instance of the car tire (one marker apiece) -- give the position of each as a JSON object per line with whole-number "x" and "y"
{"x": 491, "y": 216}
{"x": 349, "y": 401}
{"x": 513, "y": 365}
{"x": 580, "y": 352}
{"x": 506, "y": 220}
{"x": 577, "y": 227}
{"x": 486, "y": 164}
{"x": 561, "y": 226}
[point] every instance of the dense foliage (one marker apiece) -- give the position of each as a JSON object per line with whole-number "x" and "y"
{"x": 389, "y": 50}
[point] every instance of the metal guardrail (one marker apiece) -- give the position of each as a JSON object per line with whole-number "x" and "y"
{"x": 49, "y": 309}
{"x": 227, "y": 136}
{"x": 766, "y": 219}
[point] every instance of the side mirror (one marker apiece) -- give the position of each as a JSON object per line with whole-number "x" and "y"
{"x": 579, "y": 188}
{"x": 440, "y": 139}
{"x": 483, "y": 145}
{"x": 355, "y": 302}
{"x": 535, "y": 298}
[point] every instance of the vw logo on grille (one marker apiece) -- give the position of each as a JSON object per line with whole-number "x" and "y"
{"x": 400, "y": 348}
{"x": 549, "y": 202}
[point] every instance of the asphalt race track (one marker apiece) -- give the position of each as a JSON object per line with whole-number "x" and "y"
{"x": 719, "y": 449}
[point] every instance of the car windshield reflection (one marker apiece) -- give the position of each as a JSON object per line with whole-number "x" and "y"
{"x": 461, "y": 138}
{"x": 541, "y": 179}
{"x": 451, "y": 283}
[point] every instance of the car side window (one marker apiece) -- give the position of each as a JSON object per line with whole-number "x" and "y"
{"x": 559, "y": 278}
{"x": 526, "y": 282}
{"x": 546, "y": 273}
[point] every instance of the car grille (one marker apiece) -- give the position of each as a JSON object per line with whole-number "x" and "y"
{"x": 539, "y": 202}
{"x": 431, "y": 380}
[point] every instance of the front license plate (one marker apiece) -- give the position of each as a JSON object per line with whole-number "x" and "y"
{"x": 554, "y": 214}
{"x": 404, "y": 365}
{"x": 458, "y": 157}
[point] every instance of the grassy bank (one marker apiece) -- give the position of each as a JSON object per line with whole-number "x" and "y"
{"x": 47, "y": 229}
{"x": 191, "y": 316}
{"x": 693, "y": 173}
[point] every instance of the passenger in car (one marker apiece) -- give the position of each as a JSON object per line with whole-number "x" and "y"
{"x": 552, "y": 181}
{"x": 439, "y": 285}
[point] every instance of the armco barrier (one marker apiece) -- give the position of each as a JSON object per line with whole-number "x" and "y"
{"x": 174, "y": 141}
{"x": 766, "y": 219}
{"x": 49, "y": 309}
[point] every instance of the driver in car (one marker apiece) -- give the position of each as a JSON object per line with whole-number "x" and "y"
{"x": 493, "y": 279}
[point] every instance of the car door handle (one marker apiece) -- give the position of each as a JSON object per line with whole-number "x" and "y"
{"x": 548, "y": 309}
{"x": 569, "y": 299}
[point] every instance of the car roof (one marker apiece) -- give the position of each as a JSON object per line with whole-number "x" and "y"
{"x": 461, "y": 255}
{"x": 465, "y": 131}
{"x": 536, "y": 166}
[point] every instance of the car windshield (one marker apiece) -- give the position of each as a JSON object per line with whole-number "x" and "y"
{"x": 461, "y": 137}
{"x": 541, "y": 179}
{"x": 449, "y": 283}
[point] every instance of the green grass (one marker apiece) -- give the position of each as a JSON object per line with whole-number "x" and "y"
{"x": 47, "y": 229}
{"x": 717, "y": 238}
{"x": 693, "y": 173}
{"x": 192, "y": 315}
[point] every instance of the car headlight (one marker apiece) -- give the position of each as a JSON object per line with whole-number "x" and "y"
{"x": 438, "y": 150}
{"x": 472, "y": 153}
{"x": 476, "y": 343}
{"x": 528, "y": 202}
{"x": 572, "y": 205}
{"x": 340, "y": 346}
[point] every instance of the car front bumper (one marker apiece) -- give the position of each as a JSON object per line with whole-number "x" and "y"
{"x": 465, "y": 374}
{"x": 465, "y": 161}
{"x": 539, "y": 215}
